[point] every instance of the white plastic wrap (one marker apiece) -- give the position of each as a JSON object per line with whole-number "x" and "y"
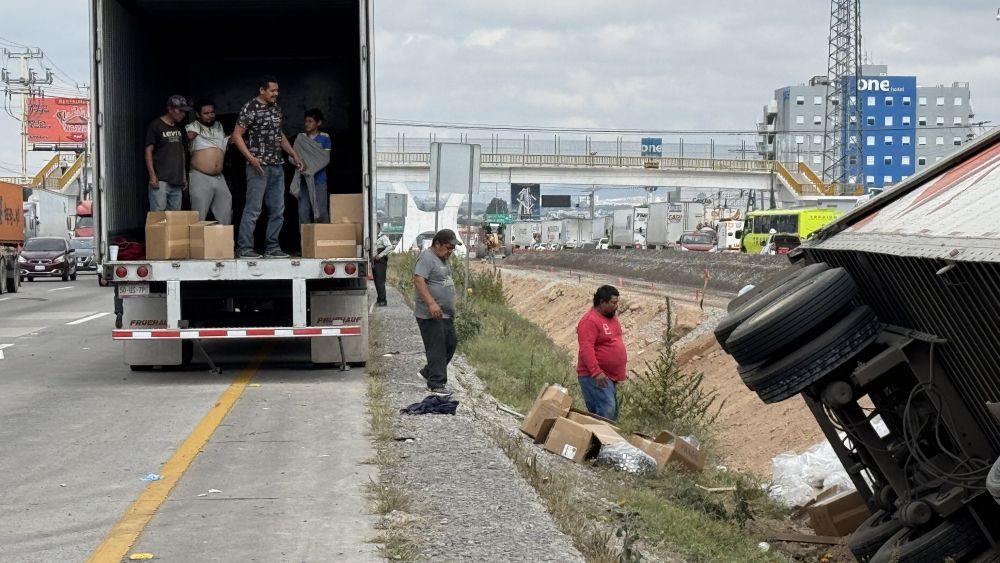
{"x": 626, "y": 457}
{"x": 797, "y": 477}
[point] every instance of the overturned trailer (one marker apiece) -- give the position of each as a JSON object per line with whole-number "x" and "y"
{"x": 897, "y": 305}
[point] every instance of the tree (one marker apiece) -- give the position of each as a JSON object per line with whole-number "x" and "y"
{"x": 496, "y": 206}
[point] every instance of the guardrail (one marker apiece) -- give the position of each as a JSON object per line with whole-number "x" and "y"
{"x": 421, "y": 159}
{"x": 17, "y": 180}
{"x": 71, "y": 172}
{"x": 43, "y": 174}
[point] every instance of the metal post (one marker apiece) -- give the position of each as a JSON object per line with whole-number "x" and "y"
{"x": 468, "y": 226}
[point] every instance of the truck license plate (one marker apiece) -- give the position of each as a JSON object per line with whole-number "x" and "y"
{"x": 133, "y": 290}
{"x": 39, "y": 268}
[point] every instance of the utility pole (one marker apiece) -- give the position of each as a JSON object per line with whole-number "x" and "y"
{"x": 27, "y": 84}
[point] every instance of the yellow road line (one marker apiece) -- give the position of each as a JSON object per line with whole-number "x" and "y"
{"x": 124, "y": 534}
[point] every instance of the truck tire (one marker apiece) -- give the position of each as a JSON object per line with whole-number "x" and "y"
{"x": 13, "y": 282}
{"x": 782, "y": 379}
{"x": 140, "y": 367}
{"x": 952, "y": 539}
{"x": 792, "y": 316}
{"x": 872, "y": 534}
{"x": 31, "y": 278}
{"x": 789, "y": 281}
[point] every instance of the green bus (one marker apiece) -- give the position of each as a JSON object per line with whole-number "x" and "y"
{"x": 801, "y": 222}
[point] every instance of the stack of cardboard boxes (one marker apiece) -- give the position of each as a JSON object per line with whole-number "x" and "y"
{"x": 343, "y": 237}
{"x": 178, "y": 235}
{"x": 577, "y": 435}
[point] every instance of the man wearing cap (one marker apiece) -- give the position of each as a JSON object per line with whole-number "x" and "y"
{"x": 434, "y": 307}
{"x": 166, "y": 157}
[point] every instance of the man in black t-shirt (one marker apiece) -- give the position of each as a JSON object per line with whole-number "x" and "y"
{"x": 166, "y": 157}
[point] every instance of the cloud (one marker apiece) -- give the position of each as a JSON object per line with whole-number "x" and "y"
{"x": 486, "y": 37}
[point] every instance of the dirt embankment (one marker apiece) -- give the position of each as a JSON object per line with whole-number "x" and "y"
{"x": 750, "y": 433}
{"x": 729, "y": 271}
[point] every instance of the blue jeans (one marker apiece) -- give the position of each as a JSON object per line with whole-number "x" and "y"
{"x": 167, "y": 198}
{"x": 305, "y": 205}
{"x": 269, "y": 190}
{"x": 599, "y": 401}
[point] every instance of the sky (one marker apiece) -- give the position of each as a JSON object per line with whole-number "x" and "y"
{"x": 653, "y": 65}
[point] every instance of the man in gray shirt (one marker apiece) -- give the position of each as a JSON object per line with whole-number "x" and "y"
{"x": 434, "y": 307}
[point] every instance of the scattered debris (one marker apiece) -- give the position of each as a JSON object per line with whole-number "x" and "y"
{"x": 254, "y": 385}
{"x": 432, "y": 404}
{"x": 214, "y": 491}
{"x": 140, "y": 557}
{"x": 152, "y": 477}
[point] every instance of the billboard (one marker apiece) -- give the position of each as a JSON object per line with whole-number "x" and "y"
{"x": 525, "y": 200}
{"x": 57, "y": 123}
{"x": 556, "y": 201}
{"x": 652, "y": 147}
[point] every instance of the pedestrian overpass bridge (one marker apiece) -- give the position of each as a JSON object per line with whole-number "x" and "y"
{"x": 799, "y": 186}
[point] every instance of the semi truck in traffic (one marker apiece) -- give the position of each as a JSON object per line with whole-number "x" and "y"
{"x": 165, "y": 309}
{"x": 628, "y": 227}
{"x": 11, "y": 236}
{"x": 49, "y": 213}
{"x": 669, "y": 220}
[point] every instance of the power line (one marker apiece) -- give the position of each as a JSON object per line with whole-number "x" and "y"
{"x": 13, "y": 43}
{"x": 552, "y": 129}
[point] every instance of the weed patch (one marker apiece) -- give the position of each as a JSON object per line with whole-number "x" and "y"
{"x": 396, "y": 542}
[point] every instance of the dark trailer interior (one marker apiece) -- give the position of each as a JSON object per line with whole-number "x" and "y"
{"x": 217, "y": 50}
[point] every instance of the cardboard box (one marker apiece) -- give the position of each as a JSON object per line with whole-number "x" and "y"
{"x": 666, "y": 448}
{"x": 211, "y": 241}
{"x": 349, "y": 208}
{"x": 571, "y": 440}
{"x": 329, "y": 241}
{"x": 839, "y": 514}
{"x": 604, "y": 433}
{"x": 552, "y": 402}
{"x": 584, "y": 417}
{"x": 167, "y": 236}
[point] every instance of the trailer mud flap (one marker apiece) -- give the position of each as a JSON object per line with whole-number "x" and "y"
{"x": 332, "y": 308}
{"x": 144, "y": 314}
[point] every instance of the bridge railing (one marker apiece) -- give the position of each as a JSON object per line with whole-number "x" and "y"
{"x": 421, "y": 159}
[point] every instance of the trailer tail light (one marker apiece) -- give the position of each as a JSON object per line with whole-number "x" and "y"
{"x": 121, "y": 272}
{"x": 351, "y": 269}
{"x": 329, "y": 269}
{"x": 142, "y": 271}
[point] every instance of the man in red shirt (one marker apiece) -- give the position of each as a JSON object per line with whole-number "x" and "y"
{"x": 601, "y": 363}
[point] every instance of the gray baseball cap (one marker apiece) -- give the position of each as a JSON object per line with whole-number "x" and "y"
{"x": 178, "y": 101}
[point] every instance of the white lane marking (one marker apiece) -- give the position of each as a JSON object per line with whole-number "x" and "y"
{"x": 4, "y": 298}
{"x": 2, "y": 346}
{"x": 90, "y": 318}
{"x": 61, "y": 288}
{"x": 15, "y": 332}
